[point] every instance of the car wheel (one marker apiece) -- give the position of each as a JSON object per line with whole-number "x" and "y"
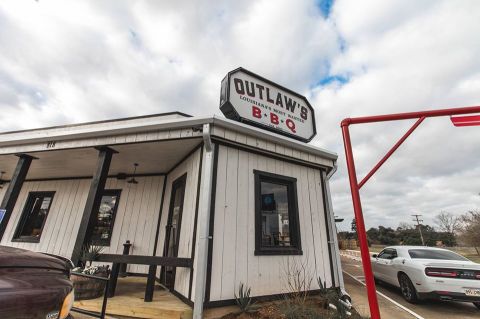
{"x": 409, "y": 292}
{"x": 477, "y": 304}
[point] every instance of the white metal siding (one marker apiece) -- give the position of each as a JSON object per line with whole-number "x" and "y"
{"x": 233, "y": 259}
{"x": 191, "y": 167}
{"x": 136, "y": 217}
{"x": 263, "y": 144}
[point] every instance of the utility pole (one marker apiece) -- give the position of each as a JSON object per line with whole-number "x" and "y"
{"x": 419, "y": 226}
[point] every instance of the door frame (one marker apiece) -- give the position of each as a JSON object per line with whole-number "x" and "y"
{"x": 177, "y": 183}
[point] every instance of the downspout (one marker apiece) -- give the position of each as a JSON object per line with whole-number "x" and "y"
{"x": 200, "y": 262}
{"x": 333, "y": 235}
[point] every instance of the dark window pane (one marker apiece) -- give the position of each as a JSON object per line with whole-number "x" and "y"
{"x": 34, "y": 216}
{"x": 275, "y": 215}
{"x": 102, "y": 229}
{"x": 175, "y": 223}
{"x": 277, "y": 230}
{"x": 434, "y": 254}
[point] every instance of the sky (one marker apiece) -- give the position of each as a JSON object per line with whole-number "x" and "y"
{"x": 74, "y": 61}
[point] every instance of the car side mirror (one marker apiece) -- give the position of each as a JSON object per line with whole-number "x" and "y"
{"x": 374, "y": 255}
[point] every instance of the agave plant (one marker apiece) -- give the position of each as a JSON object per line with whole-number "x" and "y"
{"x": 243, "y": 299}
{"x": 91, "y": 253}
{"x": 323, "y": 287}
{"x": 330, "y": 295}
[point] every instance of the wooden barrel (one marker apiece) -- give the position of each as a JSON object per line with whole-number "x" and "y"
{"x": 88, "y": 288}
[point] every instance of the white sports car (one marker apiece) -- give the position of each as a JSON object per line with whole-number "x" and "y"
{"x": 428, "y": 273}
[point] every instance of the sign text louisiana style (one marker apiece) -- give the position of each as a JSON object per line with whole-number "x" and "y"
{"x": 249, "y": 98}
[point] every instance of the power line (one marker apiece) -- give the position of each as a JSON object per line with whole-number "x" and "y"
{"x": 419, "y": 226}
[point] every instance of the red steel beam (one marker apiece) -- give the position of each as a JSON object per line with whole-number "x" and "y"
{"x": 362, "y": 234}
{"x": 355, "y": 187}
{"x": 392, "y": 150}
{"x": 411, "y": 115}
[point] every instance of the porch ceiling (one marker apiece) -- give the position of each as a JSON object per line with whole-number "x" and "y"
{"x": 152, "y": 157}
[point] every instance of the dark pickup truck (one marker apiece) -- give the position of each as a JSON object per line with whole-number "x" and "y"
{"x": 34, "y": 285}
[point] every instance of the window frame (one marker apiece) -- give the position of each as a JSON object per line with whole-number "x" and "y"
{"x": 103, "y": 242}
{"x": 295, "y": 247}
{"x": 24, "y": 216}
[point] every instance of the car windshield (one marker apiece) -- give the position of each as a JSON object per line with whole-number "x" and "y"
{"x": 434, "y": 254}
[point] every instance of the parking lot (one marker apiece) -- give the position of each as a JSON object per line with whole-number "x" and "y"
{"x": 427, "y": 309}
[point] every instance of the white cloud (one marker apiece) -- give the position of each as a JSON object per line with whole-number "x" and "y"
{"x": 405, "y": 56}
{"x": 65, "y": 62}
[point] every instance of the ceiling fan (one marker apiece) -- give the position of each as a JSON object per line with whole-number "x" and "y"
{"x": 132, "y": 180}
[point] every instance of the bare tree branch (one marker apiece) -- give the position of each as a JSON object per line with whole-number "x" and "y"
{"x": 447, "y": 222}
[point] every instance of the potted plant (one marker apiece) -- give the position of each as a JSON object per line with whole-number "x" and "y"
{"x": 85, "y": 287}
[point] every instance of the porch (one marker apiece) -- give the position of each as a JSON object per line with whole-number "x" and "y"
{"x": 129, "y": 302}
{"x": 105, "y": 192}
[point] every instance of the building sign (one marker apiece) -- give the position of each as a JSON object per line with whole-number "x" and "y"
{"x": 249, "y": 98}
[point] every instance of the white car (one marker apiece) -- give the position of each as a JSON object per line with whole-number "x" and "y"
{"x": 428, "y": 273}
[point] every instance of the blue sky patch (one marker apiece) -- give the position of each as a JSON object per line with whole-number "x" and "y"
{"x": 325, "y": 6}
{"x": 340, "y": 79}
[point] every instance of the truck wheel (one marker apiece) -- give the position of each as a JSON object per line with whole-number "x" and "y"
{"x": 409, "y": 292}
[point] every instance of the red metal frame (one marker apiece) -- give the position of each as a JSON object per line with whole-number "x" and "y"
{"x": 355, "y": 186}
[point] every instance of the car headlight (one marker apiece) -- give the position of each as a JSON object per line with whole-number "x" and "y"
{"x": 67, "y": 305}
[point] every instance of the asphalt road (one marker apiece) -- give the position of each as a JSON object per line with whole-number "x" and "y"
{"x": 426, "y": 309}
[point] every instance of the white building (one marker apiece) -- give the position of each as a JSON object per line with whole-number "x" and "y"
{"x": 238, "y": 203}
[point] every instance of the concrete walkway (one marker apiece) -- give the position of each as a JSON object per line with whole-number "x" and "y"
{"x": 360, "y": 302}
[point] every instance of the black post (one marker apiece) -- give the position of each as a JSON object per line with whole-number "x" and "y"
{"x": 93, "y": 200}
{"x": 104, "y": 303}
{"x": 126, "y": 251}
{"x": 152, "y": 269}
{"x": 13, "y": 190}
{"x": 112, "y": 284}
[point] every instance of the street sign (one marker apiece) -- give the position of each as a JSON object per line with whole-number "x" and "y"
{"x": 469, "y": 120}
{"x": 249, "y": 98}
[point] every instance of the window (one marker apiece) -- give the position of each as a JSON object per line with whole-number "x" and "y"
{"x": 33, "y": 217}
{"x": 434, "y": 254}
{"x": 277, "y": 228}
{"x": 105, "y": 217}
{"x": 388, "y": 254}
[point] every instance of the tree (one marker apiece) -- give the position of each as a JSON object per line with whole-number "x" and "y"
{"x": 408, "y": 235}
{"x": 372, "y": 235}
{"x": 447, "y": 222}
{"x": 387, "y": 236}
{"x": 470, "y": 229}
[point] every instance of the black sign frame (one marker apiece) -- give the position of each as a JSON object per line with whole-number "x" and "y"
{"x": 229, "y": 110}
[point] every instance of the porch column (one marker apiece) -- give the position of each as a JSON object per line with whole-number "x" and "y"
{"x": 13, "y": 190}
{"x": 210, "y": 153}
{"x": 93, "y": 200}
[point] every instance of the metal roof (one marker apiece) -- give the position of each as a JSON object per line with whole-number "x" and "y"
{"x": 145, "y": 124}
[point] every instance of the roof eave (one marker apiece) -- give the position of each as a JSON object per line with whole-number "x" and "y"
{"x": 89, "y": 131}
